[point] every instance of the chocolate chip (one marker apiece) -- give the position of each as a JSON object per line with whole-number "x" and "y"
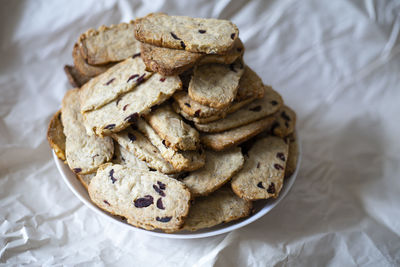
{"x": 187, "y": 104}
{"x": 182, "y": 175}
{"x": 258, "y": 165}
{"x": 271, "y": 188}
{"x": 260, "y": 185}
{"x": 174, "y": 36}
{"x": 233, "y": 36}
{"x": 110, "y": 81}
{"x": 285, "y": 116}
{"x": 197, "y": 113}
{"x": 202, "y": 31}
{"x": 232, "y": 67}
{"x": 77, "y": 170}
{"x": 161, "y": 185}
{"x": 162, "y": 79}
{"x": 105, "y": 201}
{"x": 274, "y": 103}
{"x": 124, "y": 108}
{"x": 110, "y": 126}
{"x": 132, "y": 118}
{"x": 113, "y": 179}
{"x": 163, "y": 219}
{"x": 136, "y": 55}
{"x": 131, "y": 137}
{"x": 160, "y": 204}
{"x": 158, "y": 190}
{"x": 255, "y": 109}
{"x": 140, "y": 79}
{"x": 183, "y": 45}
{"x": 163, "y": 142}
{"x": 278, "y": 167}
{"x": 280, "y": 156}
{"x": 132, "y": 77}
{"x": 144, "y": 201}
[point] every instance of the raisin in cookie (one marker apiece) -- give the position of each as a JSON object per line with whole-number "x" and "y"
{"x": 147, "y": 199}
{"x": 120, "y": 113}
{"x": 55, "y": 135}
{"x": 109, "y": 44}
{"x": 262, "y": 174}
{"x": 84, "y": 153}
{"x": 215, "y": 85}
{"x": 222, "y": 206}
{"x": 210, "y": 36}
{"x": 219, "y": 168}
{"x": 176, "y": 134}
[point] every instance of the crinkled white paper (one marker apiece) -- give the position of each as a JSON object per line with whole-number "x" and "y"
{"x": 337, "y": 63}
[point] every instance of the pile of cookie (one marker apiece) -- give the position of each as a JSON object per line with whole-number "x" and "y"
{"x": 168, "y": 127}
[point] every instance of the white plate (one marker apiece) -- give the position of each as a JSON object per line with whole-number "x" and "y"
{"x": 261, "y": 207}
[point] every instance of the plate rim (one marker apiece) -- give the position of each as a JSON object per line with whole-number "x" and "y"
{"x": 191, "y": 235}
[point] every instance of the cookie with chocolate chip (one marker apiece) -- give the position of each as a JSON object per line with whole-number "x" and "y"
{"x": 210, "y": 36}
{"x": 263, "y": 172}
{"x": 149, "y": 200}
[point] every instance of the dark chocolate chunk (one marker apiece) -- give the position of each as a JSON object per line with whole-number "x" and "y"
{"x": 274, "y": 102}
{"x": 160, "y": 204}
{"x": 124, "y": 108}
{"x": 162, "y": 79}
{"x": 197, "y": 113}
{"x": 144, "y": 201}
{"x": 116, "y": 103}
{"x": 233, "y": 36}
{"x": 164, "y": 219}
{"x": 140, "y": 79}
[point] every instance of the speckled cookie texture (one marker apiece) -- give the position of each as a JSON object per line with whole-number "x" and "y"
{"x": 167, "y": 61}
{"x": 224, "y": 140}
{"x": 210, "y": 36}
{"x": 215, "y": 85}
{"x": 257, "y": 110}
{"x": 84, "y": 153}
{"x": 262, "y": 174}
{"x": 55, "y": 135}
{"x": 222, "y": 206}
{"x": 120, "y": 113}
{"x": 86, "y": 69}
{"x": 285, "y": 122}
{"x": 219, "y": 168}
{"x": 135, "y": 142}
{"x": 109, "y": 44}
{"x": 175, "y": 133}
{"x": 75, "y": 78}
{"x": 124, "y": 157}
{"x": 291, "y": 163}
{"x": 146, "y": 199}
{"x": 106, "y": 87}
{"x": 180, "y": 160}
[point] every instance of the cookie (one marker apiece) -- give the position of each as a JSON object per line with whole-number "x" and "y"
{"x": 250, "y": 85}
{"x": 120, "y": 113}
{"x": 222, "y": 206}
{"x": 109, "y": 44}
{"x": 291, "y": 163}
{"x": 219, "y": 168}
{"x": 215, "y": 85}
{"x": 285, "y": 122}
{"x": 86, "y": 69}
{"x": 220, "y": 115}
{"x": 146, "y": 199}
{"x": 227, "y": 139}
{"x": 263, "y": 171}
{"x": 135, "y": 142}
{"x": 180, "y": 160}
{"x": 175, "y": 133}
{"x": 55, "y": 135}
{"x": 84, "y": 153}
{"x": 75, "y": 78}
{"x": 124, "y": 157}
{"x": 118, "y": 80}
{"x": 257, "y": 110}
{"x": 210, "y": 36}
{"x": 167, "y": 61}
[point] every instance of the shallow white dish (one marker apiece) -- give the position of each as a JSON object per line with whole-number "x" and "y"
{"x": 261, "y": 207}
